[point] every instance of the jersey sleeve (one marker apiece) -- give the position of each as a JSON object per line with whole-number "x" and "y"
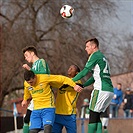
{"x": 81, "y": 74}
{"x": 88, "y": 68}
{"x": 47, "y": 68}
{"x": 67, "y": 86}
{"x": 89, "y": 81}
{"x": 57, "y": 81}
{"x": 26, "y": 92}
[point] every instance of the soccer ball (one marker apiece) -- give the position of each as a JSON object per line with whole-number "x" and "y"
{"x": 66, "y": 11}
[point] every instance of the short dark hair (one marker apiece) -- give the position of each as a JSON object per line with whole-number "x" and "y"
{"x": 77, "y": 68}
{"x": 28, "y": 75}
{"x": 29, "y": 48}
{"x": 94, "y": 40}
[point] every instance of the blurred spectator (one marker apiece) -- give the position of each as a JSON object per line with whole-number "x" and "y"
{"x": 116, "y": 101}
{"x": 85, "y": 109}
{"x": 128, "y": 103}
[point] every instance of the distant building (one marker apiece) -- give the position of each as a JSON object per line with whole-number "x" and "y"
{"x": 125, "y": 79}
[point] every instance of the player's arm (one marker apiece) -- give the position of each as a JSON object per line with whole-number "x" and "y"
{"x": 44, "y": 64}
{"x": 81, "y": 74}
{"x": 25, "y": 66}
{"x": 89, "y": 81}
{"x": 88, "y": 68}
{"x": 70, "y": 82}
{"x": 24, "y": 102}
{"x": 56, "y": 81}
{"x": 27, "y": 94}
{"x": 66, "y": 85}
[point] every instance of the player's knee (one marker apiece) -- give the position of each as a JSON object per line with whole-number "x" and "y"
{"x": 27, "y": 117}
{"x": 26, "y": 120}
{"x": 105, "y": 127}
{"x": 47, "y": 128}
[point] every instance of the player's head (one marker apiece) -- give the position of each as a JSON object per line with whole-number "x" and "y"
{"x": 30, "y": 77}
{"x": 29, "y": 52}
{"x": 92, "y": 45}
{"x": 73, "y": 70}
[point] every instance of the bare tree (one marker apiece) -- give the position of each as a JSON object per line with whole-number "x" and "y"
{"x": 120, "y": 57}
{"x": 60, "y": 41}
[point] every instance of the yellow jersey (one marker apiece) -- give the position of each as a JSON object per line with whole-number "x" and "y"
{"x": 41, "y": 92}
{"x": 66, "y": 100}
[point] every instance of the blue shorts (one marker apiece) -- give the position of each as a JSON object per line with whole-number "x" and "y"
{"x": 42, "y": 117}
{"x": 67, "y": 121}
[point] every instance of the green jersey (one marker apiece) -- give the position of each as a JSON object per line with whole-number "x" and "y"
{"x": 98, "y": 65}
{"x": 40, "y": 67}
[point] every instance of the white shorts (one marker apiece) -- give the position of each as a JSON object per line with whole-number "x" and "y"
{"x": 31, "y": 105}
{"x": 100, "y": 100}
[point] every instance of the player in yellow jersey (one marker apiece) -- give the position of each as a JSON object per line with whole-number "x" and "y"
{"x": 66, "y": 106}
{"x": 38, "y": 87}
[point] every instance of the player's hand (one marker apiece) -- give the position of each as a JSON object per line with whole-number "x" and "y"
{"x": 25, "y": 66}
{"x": 78, "y": 88}
{"x": 24, "y": 103}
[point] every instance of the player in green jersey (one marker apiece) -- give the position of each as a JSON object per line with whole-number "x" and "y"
{"x": 102, "y": 93}
{"x": 39, "y": 66}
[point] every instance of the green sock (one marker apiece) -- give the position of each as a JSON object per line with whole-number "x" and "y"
{"x": 105, "y": 131}
{"x": 25, "y": 128}
{"x": 99, "y": 127}
{"x": 92, "y": 127}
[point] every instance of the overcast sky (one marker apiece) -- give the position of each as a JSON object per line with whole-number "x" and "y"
{"x": 125, "y": 13}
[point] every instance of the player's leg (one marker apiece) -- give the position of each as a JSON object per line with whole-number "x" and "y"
{"x": 105, "y": 120}
{"x": 35, "y": 121}
{"x": 94, "y": 120}
{"x": 99, "y": 101}
{"x": 70, "y": 123}
{"x": 104, "y": 99}
{"x": 27, "y": 117}
{"x": 95, "y": 125}
{"x": 105, "y": 124}
{"x": 58, "y": 124}
{"x": 26, "y": 121}
{"x": 57, "y": 128}
{"x": 47, "y": 128}
{"x": 48, "y": 117}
